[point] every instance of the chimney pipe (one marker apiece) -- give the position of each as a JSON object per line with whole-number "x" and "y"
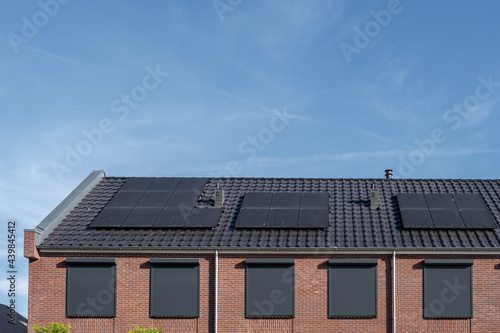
{"x": 388, "y": 174}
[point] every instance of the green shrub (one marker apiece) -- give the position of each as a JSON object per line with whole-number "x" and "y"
{"x": 52, "y": 328}
{"x": 140, "y": 329}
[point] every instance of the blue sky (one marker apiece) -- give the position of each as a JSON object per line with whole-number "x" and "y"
{"x": 240, "y": 88}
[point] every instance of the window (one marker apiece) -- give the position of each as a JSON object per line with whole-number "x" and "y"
{"x": 448, "y": 288}
{"x": 91, "y": 287}
{"x": 175, "y": 288}
{"x": 270, "y": 288}
{"x": 352, "y": 288}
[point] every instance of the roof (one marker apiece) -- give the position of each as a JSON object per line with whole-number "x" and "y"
{"x": 352, "y": 223}
{"x": 19, "y": 326}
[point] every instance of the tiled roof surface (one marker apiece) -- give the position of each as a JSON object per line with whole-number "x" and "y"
{"x": 352, "y": 223}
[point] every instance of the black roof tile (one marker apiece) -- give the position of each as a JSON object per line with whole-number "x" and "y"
{"x": 352, "y": 222}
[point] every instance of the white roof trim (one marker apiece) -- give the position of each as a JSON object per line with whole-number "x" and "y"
{"x": 48, "y": 224}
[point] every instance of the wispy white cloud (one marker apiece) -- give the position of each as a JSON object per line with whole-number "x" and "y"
{"x": 50, "y": 55}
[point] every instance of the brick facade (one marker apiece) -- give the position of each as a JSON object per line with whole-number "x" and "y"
{"x": 47, "y": 288}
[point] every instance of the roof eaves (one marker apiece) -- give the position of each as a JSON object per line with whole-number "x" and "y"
{"x": 406, "y": 250}
{"x": 49, "y": 223}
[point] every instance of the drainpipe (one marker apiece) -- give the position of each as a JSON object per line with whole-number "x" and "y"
{"x": 216, "y": 288}
{"x": 394, "y": 291}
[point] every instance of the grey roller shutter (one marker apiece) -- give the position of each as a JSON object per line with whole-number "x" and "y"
{"x": 270, "y": 288}
{"x": 175, "y": 288}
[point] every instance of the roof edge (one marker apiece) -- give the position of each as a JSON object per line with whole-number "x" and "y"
{"x": 235, "y": 250}
{"x": 55, "y": 217}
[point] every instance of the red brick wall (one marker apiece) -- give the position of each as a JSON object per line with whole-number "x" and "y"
{"x": 48, "y": 293}
{"x": 486, "y": 296}
{"x": 30, "y": 250}
{"x": 311, "y": 298}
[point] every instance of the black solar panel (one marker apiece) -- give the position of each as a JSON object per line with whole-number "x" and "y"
{"x": 193, "y": 185}
{"x": 142, "y": 218}
{"x": 314, "y": 200}
{"x": 283, "y": 218}
{"x": 204, "y": 218}
{"x": 313, "y": 218}
{"x": 252, "y": 218}
{"x": 153, "y": 199}
{"x": 172, "y": 217}
{"x": 125, "y": 199}
{"x": 284, "y": 210}
{"x": 447, "y": 219}
{"x": 440, "y": 201}
{"x": 469, "y": 201}
{"x": 111, "y": 217}
{"x": 257, "y": 200}
{"x": 182, "y": 199}
{"x": 411, "y": 201}
{"x": 137, "y": 184}
{"x": 285, "y": 200}
{"x": 164, "y": 184}
{"x": 416, "y": 218}
{"x": 478, "y": 219}
{"x": 447, "y": 211}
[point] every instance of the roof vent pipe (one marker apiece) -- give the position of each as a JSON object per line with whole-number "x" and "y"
{"x": 388, "y": 174}
{"x": 219, "y": 196}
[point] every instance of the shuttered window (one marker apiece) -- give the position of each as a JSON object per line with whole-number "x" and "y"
{"x": 91, "y": 287}
{"x": 352, "y": 288}
{"x": 448, "y": 288}
{"x": 270, "y": 288}
{"x": 175, "y": 288}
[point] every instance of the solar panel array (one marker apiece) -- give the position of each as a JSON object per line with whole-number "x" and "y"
{"x": 158, "y": 203}
{"x": 444, "y": 211}
{"x": 284, "y": 210}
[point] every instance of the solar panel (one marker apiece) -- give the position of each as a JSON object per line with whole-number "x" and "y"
{"x": 447, "y": 219}
{"x": 111, "y": 217}
{"x": 313, "y": 218}
{"x": 440, "y": 201}
{"x": 172, "y": 217}
{"x": 478, "y": 219}
{"x": 204, "y": 218}
{"x": 283, "y": 218}
{"x": 125, "y": 199}
{"x": 154, "y": 199}
{"x": 164, "y": 184}
{"x": 257, "y": 200}
{"x": 416, "y": 218}
{"x": 314, "y": 200}
{"x": 194, "y": 185}
{"x": 182, "y": 199}
{"x": 142, "y": 218}
{"x": 252, "y": 218}
{"x": 137, "y": 184}
{"x": 469, "y": 201}
{"x": 411, "y": 201}
{"x": 285, "y": 200}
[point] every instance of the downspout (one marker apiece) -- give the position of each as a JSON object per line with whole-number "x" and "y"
{"x": 394, "y": 291}
{"x": 216, "y": 288}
